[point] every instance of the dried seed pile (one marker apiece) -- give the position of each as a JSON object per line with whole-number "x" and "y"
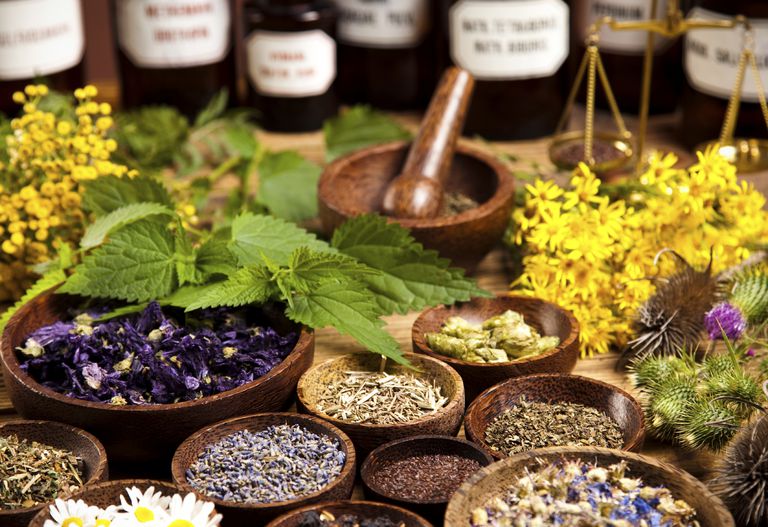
{"x": 428, "y": 476}
{"x": 380, "y": 398}
{"x": 529, "y": 425}
{"x": 279, "y": 463}
{"x": 32, "y": 473}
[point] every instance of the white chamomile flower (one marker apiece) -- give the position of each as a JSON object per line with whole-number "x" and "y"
{"x": 143, "y": 510}
{"x": 191, "y": 512}
{"x": 71, "y": 513}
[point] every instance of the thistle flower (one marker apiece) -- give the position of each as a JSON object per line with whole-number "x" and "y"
{"x": 725, "y": 320}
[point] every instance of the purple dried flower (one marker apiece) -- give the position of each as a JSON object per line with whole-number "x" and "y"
{"x": 750, "y": 352}
{"x": 725, "y": 319}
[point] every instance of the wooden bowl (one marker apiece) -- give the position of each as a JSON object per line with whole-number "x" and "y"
{"x": 247, "y": 514}
{"x": 496, "y": 478}
{"x": 355, "y": 184}
{"x": 142, "y": 435}
{"x": 105, "y": 494}
{"x": 365, "y": 509}
{"x": 58, "y": 435}
{"x": 366, "y": 437}
{"x": 394, "y": 451}
{"x": 548, "y": 319}
{"x": 549, "y": 388}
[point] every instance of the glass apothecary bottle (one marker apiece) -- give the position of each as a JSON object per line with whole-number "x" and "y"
{"x": 386, "y": 52}
{"x": 710, "y": 61}
{"x": 290, "y": 56}
{"x": 622, "y": 53}
{"x": 174, "y": 52}
{"x": 517, "y": 51}
{"x": 40, "y": 41}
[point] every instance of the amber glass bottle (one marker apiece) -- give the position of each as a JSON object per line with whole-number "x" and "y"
{"x": 711, "y": 56}
{"x": 175, "y": 52}
{"x": 622, "y": 54}
{"x": 517, "y": 51}
{"x": 40, "y": 40}
{"x": 386, "y": 52}
{"x": 290, "y": 59}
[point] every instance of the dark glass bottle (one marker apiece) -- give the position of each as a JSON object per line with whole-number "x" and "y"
{"x": 710, "y": 61}
{"x": 622, "y": 54}
{"x": 290, "y": 59}
{"x": 517, "y": 51}
{"x": 40, "y": 41}
{"x": 386, "y": 52}
{"x": 174, "y": 52}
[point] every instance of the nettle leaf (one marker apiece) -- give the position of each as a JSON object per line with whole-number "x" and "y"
{"x": 250, "y": 285}
{"x": 358, "y": 127}
{"x": 137, "y": 264}
{"x": 214, "y": 256}
{"x": 288, "y": 185}
{"x": 351, "y": 311}
{"x": 256, "y": 235}
{"x": 214, "y": 109}
{"x": 106, "y": 194}
{"x": 186, "y": 256}
{"x": 43, "y": 284}
{"x": 310, "y": 268}
{"x": 411, "y": 277}
{"x": 96, "y": 233}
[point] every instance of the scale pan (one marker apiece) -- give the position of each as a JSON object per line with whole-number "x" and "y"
{"x": 610, "y": 151}
{"x": 749, "y": 155}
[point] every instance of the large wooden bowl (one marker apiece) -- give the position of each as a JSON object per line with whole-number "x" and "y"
{"x": 548, "y": 319}
{"x": 366, "y": 437}
{"x": 247, "y": 514}
{"x": 142, "y": 435}
{"x": 549, "y": 388}
{"x": 365, "y": 509}
{"x": 496, "y": 478}
{"x": 355, "y": 184}
{"x": 62, "y": 436}
{"x": 105, "y": 494}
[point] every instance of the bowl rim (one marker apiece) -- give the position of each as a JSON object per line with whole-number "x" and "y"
{"x": 452, "y": 405}
{"x": 179, "y": 473}
{"x": 504, "y": 188}
{"x": 632, "y": 443}
{"x": 12, "y": 366}
{"x": 420, "y": 344}
{"x": 367, "y": 478}
{"x": 363, "y": 503}
{"x": 100, "y": 470}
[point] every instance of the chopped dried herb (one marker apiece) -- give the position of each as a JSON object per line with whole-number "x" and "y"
{"x": 456, "y": 203}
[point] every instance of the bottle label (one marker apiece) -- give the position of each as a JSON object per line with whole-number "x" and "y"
{"x": 628, "y": 42}
{"x": 39, "y": 37}
{"x": 519, "y": 39}
{"x": 712, "y": 57}
{"x": 173, "y": 33}
{"x": 383, "y": 23}
{"x": 291, "y": 64}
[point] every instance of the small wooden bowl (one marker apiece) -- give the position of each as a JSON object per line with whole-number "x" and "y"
{"x": 355, "y": 184}
{"x": 394, "y": 451}
{"x": 548, "y": 388}
{"x": 547, "y": 318}
{"x": 247, "y": 514}
{"x": 142, "y": 435}
{"x": 366, "y": 437}
{"x": 366, "y": 509}
{"x": 105, "y": 494}
{"x": 495, "y": 479}
{"x": 58, "y": 435}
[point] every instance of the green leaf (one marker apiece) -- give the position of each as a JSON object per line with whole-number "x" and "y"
{"x": 255, "y": 236}
{"x": 43, "y": 284}
{"x": 351, "y": 311}
{"x": 214, "y": 256}
{"x": 311, "y": 268}
{"x": 411, "y": 277}
{"x": 288, "y": 185}
{"x": 358, "y": 127}
{"x": 106, "y": 194}
{"x": 250, "y": 285}
{"x": 185, "y": 295}
{"x": 186, "y": 260}
{"x": 149, "y": 137}
{"x": 137, "y": 264}
{"x": 99, "y": 229}
{"x": 64, "y": 259}
{"x": 214, "y": 109}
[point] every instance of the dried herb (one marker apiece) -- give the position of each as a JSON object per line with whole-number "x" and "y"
{"x": 425, "y": 477}
{"x": 572, "y": 154}
{"x": 327, "y": 519}
{"x": 32, "y": 473}
{"x": 456, "y": 203}
{"x": 530, "y": 425}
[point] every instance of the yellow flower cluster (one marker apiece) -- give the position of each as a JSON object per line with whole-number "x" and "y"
{"x": 594, "y": 256}
{"x": 49, "y": 156}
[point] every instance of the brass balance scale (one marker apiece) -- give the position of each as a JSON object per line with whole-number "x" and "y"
{"x": 616, "y": 149}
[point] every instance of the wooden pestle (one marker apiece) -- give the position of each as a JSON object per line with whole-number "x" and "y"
{"x": 417, "y": 192}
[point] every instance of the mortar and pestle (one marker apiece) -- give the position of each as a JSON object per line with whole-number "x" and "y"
{"x": 409, "y": 183}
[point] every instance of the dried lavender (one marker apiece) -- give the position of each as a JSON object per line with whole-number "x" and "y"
{"x": 150, "y": 358}
{"x": 380, "y": 397}
{"x": 279, "y": 463}
{"x": 32, "y": 473}
{"x": 327, "y": 519}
